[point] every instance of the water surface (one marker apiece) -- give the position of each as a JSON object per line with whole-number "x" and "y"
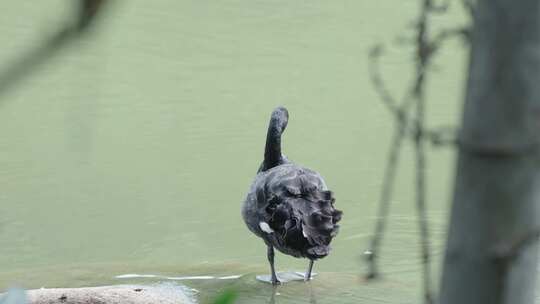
{"x": 131, "y": 151}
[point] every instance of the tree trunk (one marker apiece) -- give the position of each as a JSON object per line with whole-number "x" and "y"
{"x": 491, "y": 255}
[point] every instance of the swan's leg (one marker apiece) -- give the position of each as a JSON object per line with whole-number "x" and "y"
{"x": 270, "y": 254}
{"x": 308, "y": 272}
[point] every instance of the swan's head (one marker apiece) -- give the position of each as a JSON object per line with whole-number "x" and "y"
{"x": 280, "y": 118}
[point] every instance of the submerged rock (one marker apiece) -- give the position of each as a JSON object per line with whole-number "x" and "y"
{"x": 117, "y": 294}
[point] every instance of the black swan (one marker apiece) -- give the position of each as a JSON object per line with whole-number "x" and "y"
{"x": 289, "y": 206}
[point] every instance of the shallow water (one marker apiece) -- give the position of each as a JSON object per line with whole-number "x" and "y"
{"x": 130, "y": 152}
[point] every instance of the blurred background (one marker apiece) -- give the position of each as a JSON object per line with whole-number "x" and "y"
{"x": 131, "y": 150}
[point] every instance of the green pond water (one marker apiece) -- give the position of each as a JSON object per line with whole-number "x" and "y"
{"x": 131, "y": 151}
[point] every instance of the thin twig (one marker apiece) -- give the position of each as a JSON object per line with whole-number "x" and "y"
{"x": 439, "y": 8}
{"x": 410, "y": 127}
{"x": 385, "y": 201}
{"x": 87, "y": 11}
{"x": 446, "y": 34}
{"x": 442, "y": 136}
{"x": 397, "y": 109}
{"x": 372, "y": 253}
{"x": 469, "y": 6}
{"x": 509, "y": 250}
{"x": 377, "y": 81}
{"x": 424, "y": 52}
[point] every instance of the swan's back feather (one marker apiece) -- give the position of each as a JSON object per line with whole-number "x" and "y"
{"x": 298, "y": 207}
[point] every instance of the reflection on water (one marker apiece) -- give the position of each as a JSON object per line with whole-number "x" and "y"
{"x": 130, "y": 152}
{"x": 14, "y": 296}
{"x": 273, "y": 296}
{"x": 312, "y": 298}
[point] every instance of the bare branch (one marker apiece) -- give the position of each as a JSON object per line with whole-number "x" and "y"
{"x": 508, "y": 251}
{"x": 413, "y": 127}
{"x": 385, "y": 198}
{"x": 469, "y": 6}
{"x": 377, "y": 80}
{"x": 443, "y": 136}
{"x": 444, "y": 35}
{"x": 423, "y": 53}
{"x": 64, "y": 36}
{"x": 438, "y": 8}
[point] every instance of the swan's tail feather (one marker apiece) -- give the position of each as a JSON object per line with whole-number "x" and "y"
{"x": 308, "y": 224}
{"x": 319, "y": 222}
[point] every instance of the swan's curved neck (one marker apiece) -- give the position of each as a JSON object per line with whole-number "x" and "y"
{"x": 272, "y": 151}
